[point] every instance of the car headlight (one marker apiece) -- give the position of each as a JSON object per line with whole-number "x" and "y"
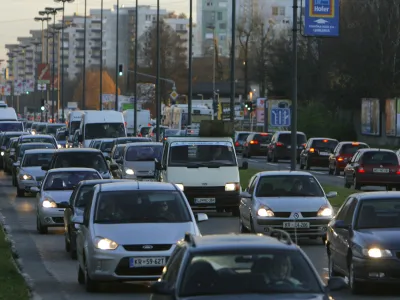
{"x": 105, "y": 244}
{"x": 59, "y": 146}
{"x": 180, "y": 186}
{"x": 325, "y": 211}
{"x": 49, "y": 203}
{"x": 377, "y": 252}
{"x": 265, "y": 212}
{"x": 129, "y": 172}
{"x": 2, "y": 153}
{"x": 25, "y": 177}
{"x": 233, "y": 186}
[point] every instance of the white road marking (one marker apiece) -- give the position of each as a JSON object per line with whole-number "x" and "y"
{"x": 318, "y": 172}
{"x": 340, "y": 176}
{"x": 272, "y": 164}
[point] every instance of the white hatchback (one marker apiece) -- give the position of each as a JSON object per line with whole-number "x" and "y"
{"x": 130, "y": 230}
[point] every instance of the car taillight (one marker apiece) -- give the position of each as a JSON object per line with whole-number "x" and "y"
{"x": 339, "y": 158}
{"x": 304, "y": 145}
{"x": 312, "y": 150}
{"x": 253, "y": 142}
{"x": 140, "y": 135}
{"x": 361, "y": 169}
{"x": 237, "y": 144}
{"x": 278, "y": 144}
{"x": 398, "y": 171}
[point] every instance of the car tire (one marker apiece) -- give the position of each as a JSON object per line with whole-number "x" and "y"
{"x": 336, "y": 171}
{"x": 331, "y": 269}
{"x": 301, "y": 166}
{"x": 20, "y": 193}
{"x": 242, "y": 228}
{"x": 40, "y": 228}
{"x": 81, "y": 275}
{"x": 307, "y": 165}
{"x": 356, "y": 287}
{"x": 91, "y": 286}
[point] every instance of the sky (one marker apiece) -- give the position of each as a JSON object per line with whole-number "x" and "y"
{"x": 16, "y": 16}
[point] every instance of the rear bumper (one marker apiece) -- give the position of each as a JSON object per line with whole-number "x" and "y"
{"x": 319, "y": 161}
{"x": 378, "y": 179}
{"x": 285, "y": 153}
{"x": 211, "y": 197}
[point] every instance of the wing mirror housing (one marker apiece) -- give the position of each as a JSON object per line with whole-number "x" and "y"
{"x": 34, "y": 189}
{"x": 17, "y": 164}
{"x": 114, "y": 167}
{"x": 331, "y": 194}
{"x": 339, "y": 224}
{"x": 201, "y": 217}
{"x": 245, "y": 194}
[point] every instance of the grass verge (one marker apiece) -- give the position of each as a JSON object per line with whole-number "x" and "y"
{"x": 12, "y": 284}
{"x": 343, "y": 193}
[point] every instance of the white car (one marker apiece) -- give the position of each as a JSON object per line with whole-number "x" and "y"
{"x": 54, "y": 193}
{"x": 130, "y": 230}
{"x": 30, "y": 173}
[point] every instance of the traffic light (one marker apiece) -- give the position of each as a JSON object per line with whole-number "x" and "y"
{"x": 249, "y": 106}
{"x": 42, "y": 105}
{"x": 120, "y": 69}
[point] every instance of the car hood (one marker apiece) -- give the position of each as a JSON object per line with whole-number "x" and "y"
{"x": 145, "y": 233}
{"x": 260, "y": 297}
{"x": 141, "y": 168}
{"x": 33, "y": 171}
{"x": 293, "y": 204}
{"x": 386, "y": 238}
{"x": 57, "y": 196}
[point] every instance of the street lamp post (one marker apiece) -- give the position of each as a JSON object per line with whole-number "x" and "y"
{"x": 116, "y": 58}
{"x": 62, "y": 55}
{"x": 42, "y": 19}
{"x": 293, "y": 161}
{"x": 47, "y": 13}
{"x": 36, "y": 44}
{"x": 158, "y": 88}
{"x": 101, "y": 54}
{"x": 233, "y": 46}
{"x": 136, "y": 68}
{"x": 190, "y": 68}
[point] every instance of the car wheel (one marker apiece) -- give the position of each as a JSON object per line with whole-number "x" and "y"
{"x": 81, "y": 275}
{"x": 355, "y": 286}
{"x": 20, "y": 193}
{"x": 40, "y": 228}
{"x": 90, "y": 285}
{"x": 331, "y": 269}
{"x": 357, "y": 186}
{"x": 336, "y": 171}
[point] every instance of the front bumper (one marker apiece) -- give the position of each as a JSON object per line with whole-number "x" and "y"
{"x": 377, "y": 270}
{"x": 26, "y": 184}
{"x": 114, "y": 265}
{"x": 51, "y": 217}
{"x": 211, "y": 197}
{"x": 317, "y": 226}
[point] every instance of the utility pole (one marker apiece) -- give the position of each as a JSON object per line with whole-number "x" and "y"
{"x": 101, "y": 54}
{"x": 135, "y": 129}
{"x": 116, "y": 59}
{"x": 233, "y": 37}
{"x": 190, "y": 67}
{"x": 263, "y": 94}
{"x": 84, "y": 59}
{"x": 158, "y": 88}
{"x": 293, "y": 162}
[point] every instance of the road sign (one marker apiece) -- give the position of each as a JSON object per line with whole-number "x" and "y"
{"x": 321, "y": 18}
{"x": 280, "y": 117}
{"x": 44, "y": 73}
{"x": 41, "y": 87}
{"x": 173, "y": 95}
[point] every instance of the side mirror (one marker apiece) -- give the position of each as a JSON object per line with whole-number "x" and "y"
{"x": 245, "y": 195}
{"x": 80, "y": 138}
{"x": 17, "y": 164}
{"x": 201, "y": 217}
{"x": 244, "y": 166}
{"x": 77, "y": 220}
{"x": 336, "y": 284}
{"x": 157, "y": 164}
{"x": 34, "y": 189}
{"x": 340, "y": 224}
{"x": 161, "y": 288}
{"x": 331, "y": 194}
{"x": 114, "y": 167}
{"x": 45, "y": 167}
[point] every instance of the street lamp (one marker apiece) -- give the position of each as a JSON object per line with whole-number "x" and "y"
{"x": 43, "y": 19}
{"x": 232, "y": 64}
{"x": 62, "y": 55}
{"x": 84, "y": 59}
{"x": 190, "y": 68}
{"x": 136, "y": 68}
{"x": 47, "y": 13}
{"x": 36, "y": 43}
{"x": 158, "y": 88}
{"x": 101, "y": 54}
{"x": 116, "y": 59}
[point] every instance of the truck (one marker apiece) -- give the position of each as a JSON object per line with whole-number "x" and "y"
{"x": 143, "y": 119}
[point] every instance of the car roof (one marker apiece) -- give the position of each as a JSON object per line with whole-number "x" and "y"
{"x": 289, "y": 132}
{"x": 107, "y": 140}
{"x": 377, "y": 194}
{"x": 35, "y": 151}
{"x": 284, "y": 172}
{"x": 143, "y": 144}
{"x": 35, "y": 143}
{"x": 351, "y": 142}
{"x": 239, "y": 241}
{"x": 72, "y": 170}
{"x": 138, "y": 185}
{"x": 15, "y": 132}
{"x": 78, "y": 150}
{"x": 131, "y": 138}
{"x": 37, "y": 136}
{"x": 101, "y": 181}
{"x": 375, "y": 149}
{"x": 199, "y": 139}
{"x": 55, "y": 124}
{"x": 323, "y": 138}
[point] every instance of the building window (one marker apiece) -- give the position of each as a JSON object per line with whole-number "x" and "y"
{"x": 148, "y": 17}
{"x": 222, "y": 37}
{"x": 209, "y": 3}
{"x": 275, "y": 10}
{"x": 219, "y": 16}
{"x": 222, "y": 25}
{"x": 281, "y": 11}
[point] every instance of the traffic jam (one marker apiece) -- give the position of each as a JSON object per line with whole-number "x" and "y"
{"x": 130, "y": 206}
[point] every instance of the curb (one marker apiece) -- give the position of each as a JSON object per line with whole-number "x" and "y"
{"x": 16, "y": 260}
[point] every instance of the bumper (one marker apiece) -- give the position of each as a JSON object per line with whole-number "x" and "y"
{"x": 317, "y": 226}
{"x": 115, "y": 265}
{"x": 239, "y": 149}
{"x": 211, "y": 197}
{"x": 258, "y": 150}
{"x": 318, "y": 161}
{"x": 26, "y": 184}
{"x": 377, "y": 270}
{"x": 378, "y": 179}
{"x": 52, "y": 217}
{"x": 285, "y": 153}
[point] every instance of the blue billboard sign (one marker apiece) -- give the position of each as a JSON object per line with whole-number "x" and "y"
{"x": 321, "y": 18}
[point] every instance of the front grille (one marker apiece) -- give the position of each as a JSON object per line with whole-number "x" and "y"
{"x": 308, "y": 214}
{"x": 145, "y": 247}
{"x": 282, "y": 214}
{"x": 287, "y": 214}
{"x": 206, "y": 191}
{"x": 123, "y": 269}
{"x": 58, "y": 220}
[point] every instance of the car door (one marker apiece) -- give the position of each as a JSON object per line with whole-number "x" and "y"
{"x": 83, "y": 234}
{"x": 68, "y": 212}
{"x": 350, "y": 168}
{"x": 248, "y": 202}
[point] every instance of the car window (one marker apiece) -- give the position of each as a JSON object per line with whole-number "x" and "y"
{"x": 379, "y": 213}
{"x": 84, "y": 196}
{"x": 263, "y": 138}
{"x": 285, "y": 138}
{"x": 352, "y": 148}
{"x": 253, "y": 185}
{"x": 380, "y": 157}
{"x": 38, "y": 140}
{"x": 242, "y": 136}
{"x": 81, "y": 160}
{"x": 253, "y": 272}
{"x": 288, "y": 186}
{"x": 25, "y": 147}
{"x": 343, "y": 209}
{"x": 324, "y": 144}
{"x": 142, "y": 206}
{"x": 36, "y": 159}
{"x": 106, "y": 146}
{"x": 67, "y": 180}
{"x": 350, "y": 212}
{"x": 143, "y": 153}
{"x": 119, "y": 151}
{"x": 172, "y": 268}
{"x": 356, "y": 157}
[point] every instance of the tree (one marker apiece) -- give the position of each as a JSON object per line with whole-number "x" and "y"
{"x": 92, "y": 90}
{"x": 182, "y": 16}
{"x": 173, "y": 58}
{"x": 172, "y": 15}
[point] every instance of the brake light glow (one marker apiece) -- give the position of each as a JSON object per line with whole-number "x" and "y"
{"x": 237, "y": 144}
{"x": 304, "y": 145}
{"x": 325, "y": 141}
{"x": 361, "y": 169}
{"x": 253, "y": 142}
{"x": 152, "y": 134}
{"x": 398, "y": 171}
{"x": 355, "y": 144}
{"x": 312, "y": 150}
{"x": 339, "y": 159}
{"x": 278, "y": 144}
{"x": 165, "y": 139}
{"x": 264, "y": 134}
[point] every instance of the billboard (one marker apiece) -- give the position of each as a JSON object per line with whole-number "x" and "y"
{"x": 390, "y": 111}
{"x": 370, "y": 116}
{"x": 321, "y": 18}
{"x": 260, "y": 111}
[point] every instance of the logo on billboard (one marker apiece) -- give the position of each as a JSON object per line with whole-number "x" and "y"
{"x": 322, "y": 8}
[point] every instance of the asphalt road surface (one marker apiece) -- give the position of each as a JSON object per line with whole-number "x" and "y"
{"x": 55, "y": 274}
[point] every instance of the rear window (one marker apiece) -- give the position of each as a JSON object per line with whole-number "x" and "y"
{"x": 285, "y": 138}
{"x": 324, "y": 144}
{"x": 143, "y": 153}
{"x": 81, "y": 160}
{"x": 242, "y": 136}
{"x": 263, "y": 138}
{"x": 379, "y": 157}
{"x": 351, "y": 149}
{"x": 106, "y": 146}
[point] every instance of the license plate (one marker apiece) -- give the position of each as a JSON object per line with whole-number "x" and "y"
{"x": 143, "y": 262}
{"x": 264, "y": 145}
{"x": 296, "y": 225}
{"x": 376, "y": 170}
{"x": 324, "y": 153}
{"x": 289, "y": 147}
{"x": 204, "y": 200}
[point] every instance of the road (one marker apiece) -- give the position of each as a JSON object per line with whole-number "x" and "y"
{"x": 55, "y": 274}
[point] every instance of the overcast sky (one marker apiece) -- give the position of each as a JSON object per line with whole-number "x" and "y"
{"x": 16, "y": 16}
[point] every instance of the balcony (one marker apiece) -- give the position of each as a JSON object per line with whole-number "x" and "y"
{"x": 79, "y": 46}
{"x": 96, "y": 47}
{"x": 79, "y": 55}
{"x": 96, "y": 38}
{"x": 96, "y": 29}
{"x": 80, "y": 29}
{"x": 96, "y": 55}
{"x": 80, "y": 38}
{"x": 29, "y": 72}
{"x": 96, "y": 20}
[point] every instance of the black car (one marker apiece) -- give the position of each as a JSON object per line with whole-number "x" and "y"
{"x": 234, "y": 267}
{"x": 256, "y": 144}
{"x": 363, "y": 240}
{"x": 4, "y": 139}
{"x": 317, "y": 152}
{"x": 240, "y": 139}
{"x": 281, "y": 144}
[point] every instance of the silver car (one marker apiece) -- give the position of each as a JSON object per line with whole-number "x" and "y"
{"x": 138, "y": 160}
{"x": 129, "y": 231}
{"x": 54, "y": 193}
{"x": 289, "y": 200}
{"x": 30, "y": 173}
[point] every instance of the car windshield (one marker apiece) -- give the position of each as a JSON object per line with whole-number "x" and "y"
{"x": 324, "y": 144}
{"x": 141, "y": 206}
{"x": 96, "y": 144}
{"x": 36, "y": 159}
{"x": 243, "y": 136}
{"x": 81, "y": 160}
{"x": 172, "y": 132}
{"x": 104, "y": 130}
{"x": 379, "y": 158}
{"x": 11, "y": 126}
{"x": 67, "y": 180}
{"x": 52, "y": 129}
{"x": 352, "y": 148}
{"x": 37, "y": 140}
{"x": 40, "y": 128}
{"x": 202, "y": 154}
{"x": 143, "y": 153}
{"x": 25, "y": 147}
{"x": 288, "y": 186}
{"x": 106, "y": 146}
{"x": 84, "y": 196}
{"x": 34, "y": 126}
{"x": 379, "y": 213}
{"x": 119, "y": 151}
{"x": 74, "y": 125}
{"x": 28, "y": 125}
{"x": 249, "y": 272}
{"x": 285, "y": 138}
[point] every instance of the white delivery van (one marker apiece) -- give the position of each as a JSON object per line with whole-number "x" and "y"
{"x": 9, "y": 120}
{"x": 143, "y": 119}
{"x": 101, "y": 124}
{"x": 206, "y": 169}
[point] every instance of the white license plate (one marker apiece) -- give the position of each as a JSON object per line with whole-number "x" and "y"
{"x": 204, "y": 200}
{"x": 376, "y": 170}
{"x": 148, "y": 179}
{"x": 324, "y": 153}
{"x": 264, "y": 145}
{"x": 296, "y": 225}
{"x": 143, "y": 262}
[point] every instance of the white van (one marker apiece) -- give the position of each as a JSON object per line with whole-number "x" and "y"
{"x": 74, "y": 121}
{"x": 101, "y": 124}
{"x": 9, "y": 120}
{"x": 206, "y": 169}
{"x": 143, "y": 119}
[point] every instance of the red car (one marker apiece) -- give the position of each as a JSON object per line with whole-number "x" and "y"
{"x": 342, "y": 154}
